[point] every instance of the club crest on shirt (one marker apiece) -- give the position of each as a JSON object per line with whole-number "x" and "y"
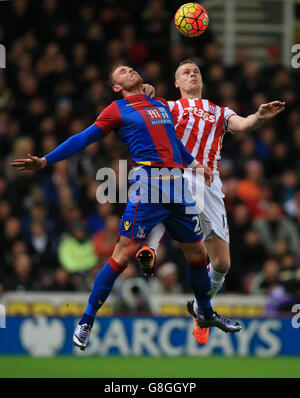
{"x": 141, "y": 233}
{"x": 212, "y": 109}
{"x": 157, "y": 115}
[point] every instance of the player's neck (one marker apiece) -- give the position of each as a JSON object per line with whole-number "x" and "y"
{"x": 134, "y": 91}
{"x": 191, "y": 94}
{"x": 130, "y": 93}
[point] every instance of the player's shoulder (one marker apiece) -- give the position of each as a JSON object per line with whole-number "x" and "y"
{"x": 112, "y": 110}
{"x": 214, "y": 108}
{"x": 162, "y": 100}
{"x": 174, "y": 105}
{"x": 211, "y": 105}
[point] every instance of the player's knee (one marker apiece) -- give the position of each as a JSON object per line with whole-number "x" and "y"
{"x": 197, "y": 254}
{"x": 221, "y": 265}
{"x": 124, "y": 250}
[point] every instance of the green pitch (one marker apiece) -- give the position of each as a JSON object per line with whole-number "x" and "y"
{"x": 179, "y": 367}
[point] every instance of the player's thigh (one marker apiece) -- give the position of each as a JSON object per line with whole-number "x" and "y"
{"x": 219, "y": 254}
{"x": 214, "y": 216}
{"x": 125, "y": 249}
{"x": 194, "y": 251}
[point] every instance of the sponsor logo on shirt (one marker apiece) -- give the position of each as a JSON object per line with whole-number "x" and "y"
{"x": 206, "y": 116}
{"x": 127, "y": 225}
{"x": 158, "y": 115}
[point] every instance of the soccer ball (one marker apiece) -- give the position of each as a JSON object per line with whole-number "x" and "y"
{"x": 191, "y": 19}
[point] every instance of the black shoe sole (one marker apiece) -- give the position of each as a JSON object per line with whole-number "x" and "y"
{"x": 76, "y": 345}
{"x": 210, "y": 323}
{"x": 144, "y": 259}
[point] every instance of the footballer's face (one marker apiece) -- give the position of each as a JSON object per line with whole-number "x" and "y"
{"x": 189, "y": 80}
{"x": 126, "y": 79}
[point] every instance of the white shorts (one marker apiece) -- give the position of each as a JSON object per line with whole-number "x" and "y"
{"x": 213, "y": 213}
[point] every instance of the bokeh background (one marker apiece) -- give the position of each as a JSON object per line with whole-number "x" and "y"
{"x": 54, "y": 236}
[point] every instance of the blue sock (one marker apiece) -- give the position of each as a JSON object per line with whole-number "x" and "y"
{"x": 101, "y": 289}
{"x": 200, "y": 282}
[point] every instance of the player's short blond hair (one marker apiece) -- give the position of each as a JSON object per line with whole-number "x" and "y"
{"x": 186, "y": 61}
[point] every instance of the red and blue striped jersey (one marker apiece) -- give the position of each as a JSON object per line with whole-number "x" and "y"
{"x": 146, "y": 127}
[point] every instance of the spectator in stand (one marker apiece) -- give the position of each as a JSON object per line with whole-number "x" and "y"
{"x": 11, "y": 234}
{"x": 292, "y": 206}
{"x": 61, "y": 281}
{"x": 21, "y": 278}
{"x": 166, "y": 281}
{"x": 41, "y": 248}
{"x": 96, "y": 221}
{"x": 75, "y": 251}
{"x": 249, "y": 187}
{"x": 239, "y": 223}
{"x": 276, "y": 226}
{"x": 132, "y": 294}
{"x": 295, "y": 148}
{"x": 279, "y": 160}
{"x": 266, "y": 280}
{"x": 105, "y": 240}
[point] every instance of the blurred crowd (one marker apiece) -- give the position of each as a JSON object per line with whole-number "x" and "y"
{"x": 54, "y": 235}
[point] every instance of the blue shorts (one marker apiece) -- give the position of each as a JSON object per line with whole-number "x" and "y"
{"x": 175, "y": 208}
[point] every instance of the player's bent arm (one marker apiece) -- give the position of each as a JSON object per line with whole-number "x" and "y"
{"x": 239, "y": 124}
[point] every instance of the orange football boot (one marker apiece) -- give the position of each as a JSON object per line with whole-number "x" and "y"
{"x": 200, "y": 334}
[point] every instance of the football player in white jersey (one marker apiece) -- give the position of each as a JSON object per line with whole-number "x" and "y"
{"x": 201, "y": 126}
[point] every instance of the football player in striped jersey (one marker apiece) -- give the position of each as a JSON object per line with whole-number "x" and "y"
{"x": 201, "y": 126}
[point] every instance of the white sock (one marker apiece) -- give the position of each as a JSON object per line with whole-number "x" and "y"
{"x": 155, "y": 236}
{"x": 217, "y": 279}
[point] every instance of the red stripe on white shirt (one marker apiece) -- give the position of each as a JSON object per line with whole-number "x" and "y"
{"x": 201, "y": 125}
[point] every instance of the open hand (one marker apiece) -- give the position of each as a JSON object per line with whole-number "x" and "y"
{"x": 271, "y": 109}
{"x": 31, "y": 163}
{"x": 208, "y": 174}
{"x": 149, "y": 90}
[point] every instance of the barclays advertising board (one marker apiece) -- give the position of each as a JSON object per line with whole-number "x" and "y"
{"x": 152, "y": 336}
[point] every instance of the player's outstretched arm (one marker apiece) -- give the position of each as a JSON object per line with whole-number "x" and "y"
{"x": 72, "y": 145}
{"x": 239, "y": 124}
